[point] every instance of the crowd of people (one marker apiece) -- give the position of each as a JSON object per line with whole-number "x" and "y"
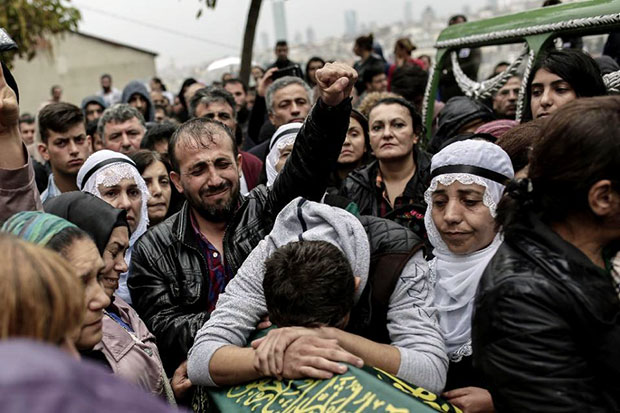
{"x": 154, "y": 234}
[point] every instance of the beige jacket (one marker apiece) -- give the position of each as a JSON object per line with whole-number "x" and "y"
{"x": 132, "y": 355}
{"x": 18, "y": 190}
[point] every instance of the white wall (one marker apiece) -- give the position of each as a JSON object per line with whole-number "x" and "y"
{"x": 77, "y": 64}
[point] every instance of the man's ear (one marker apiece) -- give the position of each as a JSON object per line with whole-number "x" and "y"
{"x": 357, "y": 281}
{"x": 42, "y": 148}
{"x": 240, "y": 164}
{"x": 271, "y": 116}
{"x": 603, "y": 200}
{"x": 175, "y": 177}
{"x": 89, "y": 142}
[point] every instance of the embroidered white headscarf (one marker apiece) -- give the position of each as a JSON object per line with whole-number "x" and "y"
{"x": 284, "y": 136}
{"x": 456, "y": 276}
{"x": 108, "y": 168}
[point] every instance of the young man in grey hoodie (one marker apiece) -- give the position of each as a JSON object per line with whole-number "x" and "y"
{"x": 414, "y": 349}
{"x": 135, "y": 94}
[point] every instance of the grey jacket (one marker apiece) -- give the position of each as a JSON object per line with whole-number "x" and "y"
{"x": 411, "y": 320}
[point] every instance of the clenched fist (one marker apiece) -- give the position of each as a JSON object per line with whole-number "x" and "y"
{"x": 335, "y": 82}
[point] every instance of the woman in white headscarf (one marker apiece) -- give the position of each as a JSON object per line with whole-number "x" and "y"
{"x": 114, "y": 178}
{"x": 280, "y": 148}
{"x": 468, "y": 180}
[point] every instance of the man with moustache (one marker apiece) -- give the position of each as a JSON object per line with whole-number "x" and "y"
{"x": 179, "y": 267}
{"x": 218, "y": 104}
{"x": 286, "y": 100}
{"x": 505, "y": 99}
{"x": 64, "y": 144}
{"x": 26, "y": 128}
{"x": 239, "y": 90}
{"x": 122, "y": 128}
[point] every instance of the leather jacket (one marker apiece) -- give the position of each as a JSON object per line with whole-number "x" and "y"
{"x": 168, "y": 277}
{"x": 360, "y": 187}
{"x": 546, "y": 327}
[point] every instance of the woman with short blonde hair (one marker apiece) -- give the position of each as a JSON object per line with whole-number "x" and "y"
{"x": 40, "y": 295}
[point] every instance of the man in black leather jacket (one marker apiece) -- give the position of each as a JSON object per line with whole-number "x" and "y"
{"x": 179, "y": 267}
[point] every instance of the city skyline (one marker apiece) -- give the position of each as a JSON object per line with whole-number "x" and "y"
{"x": 180, "y": 39}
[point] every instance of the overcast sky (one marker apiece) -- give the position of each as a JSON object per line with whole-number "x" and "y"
{"x": 170, "y": 27}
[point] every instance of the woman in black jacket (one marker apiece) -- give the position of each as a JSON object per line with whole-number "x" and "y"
{"x": 393, "y": 186}
{"x": 546, "y": 329}
{"x": 355, "y": 152}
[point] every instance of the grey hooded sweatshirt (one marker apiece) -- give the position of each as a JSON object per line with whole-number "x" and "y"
{"x": 412, "y": 321}
{"x": 136, "y": 87}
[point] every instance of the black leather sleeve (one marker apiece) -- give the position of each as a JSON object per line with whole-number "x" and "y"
{"x": 257, "y": 118}
{"x": 167, "y": 306}
{"x": 526, "y": 349}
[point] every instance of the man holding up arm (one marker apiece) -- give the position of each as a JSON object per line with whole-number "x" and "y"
{"x": 18, "y": 190}
{"x": 179, "y": 267}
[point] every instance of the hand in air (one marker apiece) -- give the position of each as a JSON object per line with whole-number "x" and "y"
{"x": 9, "y": 110}
{"x": 335, "y": 82}
{"x": 265, "y": 81}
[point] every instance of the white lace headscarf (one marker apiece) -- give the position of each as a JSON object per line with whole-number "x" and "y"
{"x": 108, "y": 168}
{"x": 456, "y": 276}
{"x": 284, "y": 136}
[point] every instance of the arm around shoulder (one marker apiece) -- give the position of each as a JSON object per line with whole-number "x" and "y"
{"x": 414, "y": 328}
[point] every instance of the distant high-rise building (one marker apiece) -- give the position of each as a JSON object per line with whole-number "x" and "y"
{"x": 428, "y": 13}
{"x": 279, "y": 20}
{"x": 350, "y": 23}
{"x": 310, "y": 36}
{"x": 408, "y": 16}
{"x": 428, "y": 17}
{"x": 264, "y": 39}
{"x": 298, "y": 39}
